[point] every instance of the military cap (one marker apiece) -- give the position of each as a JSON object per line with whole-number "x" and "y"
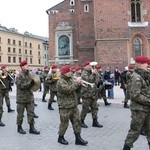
{"x": 98, "y": 67}
{"x": 45, "y": 67}
{"x": 86, "y": 63}
{"x": 53, "y": 66}
{"x": 142, "y": 59}
{"x": 65, "y": 69}
{"x": 78, "y": 68}
{"x": 23, "y": 63}
{"x": 3, "y": 66}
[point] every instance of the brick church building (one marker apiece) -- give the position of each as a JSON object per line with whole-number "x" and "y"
{"x": 110, "y": 32}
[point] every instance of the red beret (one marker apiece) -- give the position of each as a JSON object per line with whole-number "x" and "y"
{"x": 141, "y": 59}
{"x": 86, "y": 63}
{"x": 65, "y": 69}
{"x": 3, "y": 66}
{"x": 53, "y": 67}
{"x": 46, "y": 67}
{"x": 78, "y": 68}
{"x": 22, "y": 63}
{"x": 131, "y": 66}
{"x": 98, "y": 67}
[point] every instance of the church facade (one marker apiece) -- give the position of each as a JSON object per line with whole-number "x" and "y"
{"x": 111, "y": 33}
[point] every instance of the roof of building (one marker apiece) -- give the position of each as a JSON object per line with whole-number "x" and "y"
{"x": 26, "y": 33}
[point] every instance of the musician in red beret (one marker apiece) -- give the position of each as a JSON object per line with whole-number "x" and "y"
{"x": 44, "y": 76}
{"x": 101, "y": 86}
{"x": 139, "y": 87}
{"x": 5, "y": 80}
{"x": 67, "y": 103}
{"x": 89, "y": 94}
{"x": 25, "y": 98}
{"x": 52, "y": 79}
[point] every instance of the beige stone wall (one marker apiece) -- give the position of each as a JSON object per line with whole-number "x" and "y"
{"x": 30, "y": 48}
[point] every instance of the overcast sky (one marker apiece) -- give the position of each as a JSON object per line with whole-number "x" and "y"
{"x": 26, "y": 15}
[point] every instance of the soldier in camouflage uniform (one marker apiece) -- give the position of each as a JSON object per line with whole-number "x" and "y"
{"x": 101, "y": 86}
{"x": 140, "y": 102}
{"x": 45, "y": 83}
{"x": 25, "y": 98}
{"x": 52, "y": 81}
{"x": 89, "y": 95}
{"x": 67, "y": 103}
{"x": 123, "y": 81}
{"x": 4, "y": 91}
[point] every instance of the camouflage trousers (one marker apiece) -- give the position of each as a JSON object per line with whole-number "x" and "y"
{"x": 139, "y": 119}
{"x": 4, "y": 94}
{"x": 86, "y": 103}
{"x": 71, "y": 114}
{"x": 20, "y": 113}
{"x": 52, "y": 95}
{"x": 46, "y": 90}
{"x": 102, "y": 94}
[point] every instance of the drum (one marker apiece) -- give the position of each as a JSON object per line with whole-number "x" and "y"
{"x": 37, "y": 82}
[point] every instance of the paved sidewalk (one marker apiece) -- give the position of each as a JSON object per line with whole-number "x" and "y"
{"x": 115, "y": 119}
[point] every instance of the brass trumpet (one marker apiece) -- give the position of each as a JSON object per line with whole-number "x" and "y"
{"x": 85, "y": 83}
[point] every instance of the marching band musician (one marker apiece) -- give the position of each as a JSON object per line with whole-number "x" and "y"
{"x": 25, "y": 98}
{"x": 140, "y": 103}
{"x": 52, "y": 80}
{"x": 67, "y": 103}
{"x": 89, "y": 95}
{"x": 5, "y": 79}
{"x": 101, "y": 86}
{"x": 45, "y": 83}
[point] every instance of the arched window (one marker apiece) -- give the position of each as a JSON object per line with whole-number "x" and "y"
{"x": 135, "y": 11}
{"x": 137, "y": 45}
{"x": 86, "y": 8}
{"x": 72, "y": 2}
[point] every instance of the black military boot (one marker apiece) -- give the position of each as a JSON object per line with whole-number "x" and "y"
{"x": 33, "y": 130}
{"x": 96, "y": 124}
{"x": 83, "y": 125}
{"x": 35, "y": 104}
{"x": 62, "y": 140}
{"x": 106, "y": 103}
{"x": 126, "y": 105}
{"x": 35, "y": 116}
{"x": 9, "y": 109}
{"x": 126, "y": 147}
{"x": 50, "y": 107}
{"x": 54, "y": 101}
{"x": 43, "y": 99}
{"x": 1, "y": 123}
{"x": 20, "y": 130}
{"x": 79, "y": 140}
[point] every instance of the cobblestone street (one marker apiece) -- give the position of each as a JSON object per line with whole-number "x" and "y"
{"x": 115, "y": 119}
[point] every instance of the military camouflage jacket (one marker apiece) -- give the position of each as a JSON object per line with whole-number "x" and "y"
{"x": 89, "y": 92}
{"x": 66, "y": 92}
{"x": 24, "y": 94}
{"x": 139, "y": 91}
{"x": 44, "y": 76}
{"x": 52, "y": 81}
